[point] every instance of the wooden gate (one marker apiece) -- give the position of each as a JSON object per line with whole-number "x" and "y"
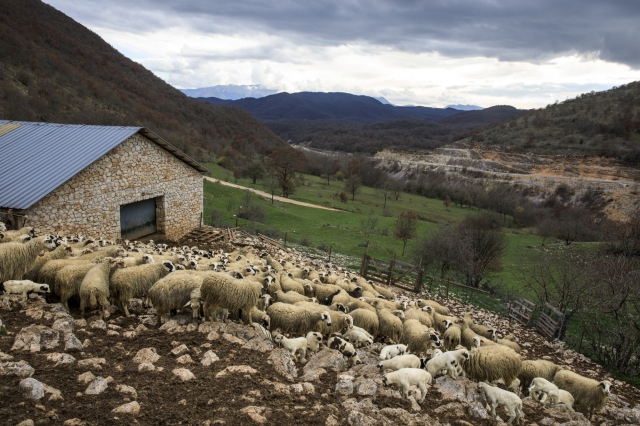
{"x": 392, "y": 272}
{"x": 549, "y": 322}
{"x": 522, "y": 311}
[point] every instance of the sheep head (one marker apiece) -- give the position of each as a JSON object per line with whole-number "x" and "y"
{"x": 168, "y": 266}
{"x": 606, "y": 387}
{"x": 325, "y": 317}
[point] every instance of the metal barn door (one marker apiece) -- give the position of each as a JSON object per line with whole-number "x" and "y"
{"x": 138, "y": 219}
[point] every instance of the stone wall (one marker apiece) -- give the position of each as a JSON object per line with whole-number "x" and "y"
{"x": 137, "y": 169}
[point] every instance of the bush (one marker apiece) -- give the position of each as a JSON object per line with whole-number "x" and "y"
{"x": 323, "y": 247}
{"x": 271, "y": 232}
{"x": 304, "y": 241}
{"x": 253, "y": 212}
{"x": 3, "y": 331}
{"x": 387, "y": 213}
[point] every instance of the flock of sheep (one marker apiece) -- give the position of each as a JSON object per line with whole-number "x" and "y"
{"x": 298, "y": 306}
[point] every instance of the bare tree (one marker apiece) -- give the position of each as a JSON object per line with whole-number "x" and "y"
{"x": 271, "y": 184}
{"x": 285, "y": 163}
{"x": 384, "y": 191}
{"x": 369, "y": 225}
{"x": 405, "y": 228}
{"x": 481, "y": 250}
{"x": 447, "y": 203}
{"x": 352, "y": 185}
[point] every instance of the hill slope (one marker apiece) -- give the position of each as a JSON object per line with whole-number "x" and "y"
{"x": 336, "y": 106}
{"x": 54, "y": 69}
{"x": 595, "y": 123}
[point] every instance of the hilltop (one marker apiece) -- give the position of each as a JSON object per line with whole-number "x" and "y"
{"x": 54, "y": 69}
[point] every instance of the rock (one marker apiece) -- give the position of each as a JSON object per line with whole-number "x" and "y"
{"x": 191, "y": 327}
{"x": 94, "y": 363}
{"x": 561, "y": 414}
{"x": 112, "y": 333}
{"x": 5, "y": 357}
{"x": 146, "y": 355}
{"x": 461, "y": 389}
{"x": 86, "y": 343}
{"x": 327, "y": 359}
{"x": 169, "y": 325}
{"x": 369, "y": 371}
{"x": 209, "y": 358}
{"x": 453, "y": 409}
{"x": 260, "y": 345}
{"x": 179, "y": 350}
{"x": 255, "y": 413}
{"x": 344, "y": 387}
{"x": 140, "y": 328}
{"x": 20, "y": 369}
{"x": 313, "y": 375}
{"x": 146, "y": 366}
{"x": 132, "y": 408}
{"x": 184, "y": 374}
{"x": 213, "y": 336}
{"x": 356, "y": 418}
{"x": 243, "y": 369}
{"x": 63, "y": 325}
{"x": 331, "y": 421}
{"x": 233, "y": 339}
{"x": 34, "y": 338}
{"x": 365, "y": 387}
{"x": 127, "y": 390}
{"x": 129, "y": 334}
{"x": 80, "y": 322}
{"x": 99, "y": 324}
{"x": 27, "y": 422}
{"x": 55, "y": 394}
{"x": 86, "y": 378}
{"x": 283, "y": 363}
{"x": 35, "y": 314}
{"x": 72, "y": 343}
{"x": 184, "y": 359}
{"x": 60, "y": 359}
{"x": 74, "y": 422}
{"x": 32, "y": 389}
{"x": 96, "y": 387}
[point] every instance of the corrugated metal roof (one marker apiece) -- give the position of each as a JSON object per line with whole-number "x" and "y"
{"x": 36, "y": 158}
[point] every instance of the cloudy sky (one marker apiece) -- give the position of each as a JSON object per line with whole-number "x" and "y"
{"x": 526, "y": 53}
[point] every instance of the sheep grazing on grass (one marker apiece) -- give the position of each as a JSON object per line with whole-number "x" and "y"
{"x": 299, "y": 344}
{"x": 17, "y": 259}
{"x": 496, "y": 396}
{"x": 296, "y": 319}
{"x": 590, "y": 395}
{"x": 222, "y": 290}
{"x": 176, "y": 290}
{"x": 418, "y": 338}
{"x": 537, "y": 368}
{"x": 136, "y": 281}
{"x": 407, "y": 377}
{"x": 366, "y": 319}
{"x": 492, "y": 363}
{"x": 60, "y": 252}
{"x": 448, "y": 360}
{"x": 94, "y": 290}
{"x": 23, "y": 287}
{"x": 392, "y": 351}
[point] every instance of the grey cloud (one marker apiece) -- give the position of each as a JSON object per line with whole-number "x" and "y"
{"x": 523, "y": 30}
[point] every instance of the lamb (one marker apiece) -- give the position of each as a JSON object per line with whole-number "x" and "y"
{"x": 346, "y": 349}
{"x": 292, "y": 345}
{"x": 402, "y": 361}
{"x": 17, "y": 259}
{"x": 390, "y": 325}
{"x": 296, "y": 319}
{"x": 136, "y": 281}
{"x": 407, "y": 377}
{"x": 366, "y": 319}
{"x": 590, "y": 395}
{"x": 496, "y": 396}
{"x": 264, "y": 302}
{"x": 94, "y": 289}
{"x": 449, "y": 361}
{"x": 492, "y": 363}
{"x": 23, "y": 287}
{"x": 220, "y": 289}
{"x": 175, "y": 291}
{"x": 537, "y": 368}
{"x": 391, "y": 351}
{"x": 545, "y": 391}
{"x": 314, "y": 339}
{"x": 358, "y": 338}
{"x": 418, "y": 338}
{"x": 60, "y": 252}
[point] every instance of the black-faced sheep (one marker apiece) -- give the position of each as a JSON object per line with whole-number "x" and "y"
{"x": 136, "y": 281}
{"x": 590, "y": 395}
{"x": 222, "y": 290}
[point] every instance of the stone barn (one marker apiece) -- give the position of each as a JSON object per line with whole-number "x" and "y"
{"x": 101, "y": 181}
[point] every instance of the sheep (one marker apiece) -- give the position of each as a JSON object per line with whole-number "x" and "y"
{"x": 390, "y": 325}
{"x": 60, "y": 252}
{"x": 420, "y": 315}
{"x": 354, "y": 304}
{"x": 386, "y": 293}
{"x": 264, "y": 302}
{"x": 452, "y": 335}
{"x": 290, "y": 297}
{"x": 296, "y": 319}
{"x": 23, "y": 287}
{"x": 467, "y": 335}
{"x": 447, "y": 360}
{"x": 323, "y": 292}
{"x": 136, "y": 281}
{"x": 407, "y": 377}
{"x": 550, "y": 393}
{"x": 11, "y": 236}
{"x": 3, "y": 227}
{"x": 289, "y": 284}
{"x": 17, "y": 259}
{"x": 417, "y": 337}
{"x": 391, "y": 351}
{"x": 339, "y": 320}
{"x": 292, "y": 345}
{"x": 590, "y": 395}
{"x": 113, "y": 251}
{"x": 439, "y": 320}
{"x": 402, "y": 361}
{"x": 175, "y": 291}
{"x": 94, "y": 289}
{"x": 387, "y": 304}
{"x": 510, "y": 342}
{"x": 220, "y": 289}
{"x": 69, "y": 279}
{"x": 496, "y": 396}
{"x": 358, "y": 338}
{"x": 537, "y": 368}
{"x": 420, "y": 303}
{"x": 481, "y": 330}
{"x": 491, "y": 363}
{"x": 314, "y": 339}
{"x": 366, "y": 319}
{"x": 275, "y": 265}
{"x": 346, "y": 349}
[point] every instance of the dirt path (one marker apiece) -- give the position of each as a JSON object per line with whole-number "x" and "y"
{"x": 275, "y": 197}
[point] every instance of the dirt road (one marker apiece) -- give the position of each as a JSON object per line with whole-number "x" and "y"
{"x": 275, "y": 197}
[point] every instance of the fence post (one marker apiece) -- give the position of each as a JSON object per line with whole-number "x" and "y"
{"x": 330, "y": 247}
{"x": 564, "y": 315}
{"x": 418, "y": 287}
{"x": 364, "y": 266}
{"x": 285, "y": 236}
{"x": 392, "y": 265}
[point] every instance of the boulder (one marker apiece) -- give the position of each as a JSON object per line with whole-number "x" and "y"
{"x": 99, "y": 324}
{"x": 94, "y": 363}
{"x": 132, "y": 408}
{"x": 260, "y": 345}
{"x": 283, "y": 363}
{"x": 60, "y": 359}
{"x": 35, "y": 338}
{"x": 179, "y": 350}
{"x": 183, "y": 374}
{"x": 365, "y": 387}
{"x": 32, "y": 389}
{"x": 72, "y": 343}
{"x": 146, "y": 355}
{"x": 96, "y": 387}
{"x": 54, "y": 394}
{"x": 74, "y": 422}
{"x": 86, "y": 378}
{"x": 20, "y": 369}
{"x": 5, "y": 357}
{"x": 146, "y": 366}
{"x": 63, "y": 325}
{"x": 27, "y": 422}
{"x": 327, "y": 359}
{"x": 184, "y": 359}
{"x": 127, "y": 390}
{"x": 209, "y": 358}
{"x": 255, "y": 413}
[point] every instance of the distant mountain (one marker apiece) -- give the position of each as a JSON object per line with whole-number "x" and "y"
{"x": 484, "y": 116}
{"x": 383, "y": 100}
{"x": 55, "y": 69}
{"x": 335, "y": 106}
{"x": 230, "y": 92}
{"x": 465, "y": 107}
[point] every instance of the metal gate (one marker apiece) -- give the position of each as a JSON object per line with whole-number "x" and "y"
{"x": 138, "y": 219}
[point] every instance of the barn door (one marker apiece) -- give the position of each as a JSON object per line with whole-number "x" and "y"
{"x": 138, "y": 219}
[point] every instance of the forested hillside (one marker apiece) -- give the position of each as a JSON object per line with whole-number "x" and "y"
{"x": 596, "y": 123}
{"x": 54, "y": 69}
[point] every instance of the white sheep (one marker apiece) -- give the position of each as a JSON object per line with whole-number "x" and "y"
{"x": 392, "y": 351}
{"x": 219, "y": 289}
{"x": 418, "y": 337}
{"x": 546, "y": 392}
{"x": 94, "y": 289}
{"x": 292, "y": 345}
{"x": 590, "y": 395}
{"x": 175, "y": 291}
{"x": 447, "y": 360}
{"x": 136, "y": 281}
{"x": 496, "y": 396}
{"x": 402, "y": 361}
{"x": 314, "y": 339}
{"x": 23, "y": 287}
{"x": 358, "y": 338}
{"x": 407, "y": 377}
{"x": 17, "y": 258}
{"x": 296, "y": 319}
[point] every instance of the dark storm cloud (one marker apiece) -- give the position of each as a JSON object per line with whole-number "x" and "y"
{"x": 510, "y": 30}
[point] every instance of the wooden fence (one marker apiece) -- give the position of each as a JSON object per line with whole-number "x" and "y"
{"x": 392, "y": 272}
{"x": 550, "y": 321}
{"x": 522, "y": 311}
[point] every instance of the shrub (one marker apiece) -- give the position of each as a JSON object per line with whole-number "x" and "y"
{"x": 304, "y": 241}
{"x": 387, "y": 213}
{"x": 323, "y": 247}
